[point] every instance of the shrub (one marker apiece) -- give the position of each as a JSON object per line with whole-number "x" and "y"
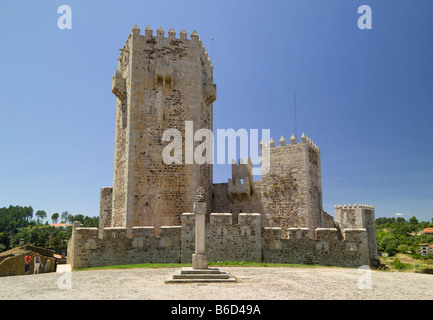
{"x": 397, "y": 264}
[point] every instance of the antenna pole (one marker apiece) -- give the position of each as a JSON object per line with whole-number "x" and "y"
{"x": 296, "y": 129}
{"x": 212, "y": 51}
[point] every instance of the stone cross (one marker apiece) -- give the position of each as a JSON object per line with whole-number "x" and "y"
{"x": 199, "y": 259}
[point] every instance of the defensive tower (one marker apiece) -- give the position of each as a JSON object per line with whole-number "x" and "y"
{"x": 357, "y": 217}
{"x": 160, "y": 83}
{"x": 291, "y": 190}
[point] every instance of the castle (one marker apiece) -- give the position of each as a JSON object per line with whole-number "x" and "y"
{"x": 160, "y": 84}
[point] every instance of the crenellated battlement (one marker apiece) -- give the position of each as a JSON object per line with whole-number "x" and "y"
{"x": 321, "y": 234}
{"x": 355, "y": 206}
{"x": 247, "y": 240}
{"x": 354, "y": 216}
{"x": 242, "y": 169}
{"x": 293, "y": 142}
{"x": 329, "y": 247}
{"x": 327, "y": 234}
{"x": 159, "y": 39}
{"x": 305, "y": 139}
{"x": 240, "y": 185}
{"x": 359, "y": 216}
{"x": 226, "y": 219}
{"x": 88, "y": 247}
{"x": 120, "y": 233}
{"x": 194, "y": 38}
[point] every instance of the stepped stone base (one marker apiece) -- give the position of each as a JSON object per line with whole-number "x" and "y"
{"x": 189, "y": 275}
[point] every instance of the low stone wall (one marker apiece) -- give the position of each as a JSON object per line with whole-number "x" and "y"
{"x": 86, "y": 249}
{"x": 225, "y": 241}
{"x": 245, "y": 241}
{"x": 326, "y": 249}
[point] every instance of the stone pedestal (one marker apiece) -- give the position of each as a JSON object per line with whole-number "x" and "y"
{"x": 199, "y": 259}
{"x": 200, "y": 271}
{"x": 189, "y": 275}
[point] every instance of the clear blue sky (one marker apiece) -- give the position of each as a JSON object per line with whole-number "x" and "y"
{"x": 365, "y": 97}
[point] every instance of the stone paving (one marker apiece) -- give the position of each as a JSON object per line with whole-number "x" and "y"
{"x": 253, "y": 284}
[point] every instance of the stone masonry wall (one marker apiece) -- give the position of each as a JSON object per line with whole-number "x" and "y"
{"x": 288, "y": 195}
{"x": 326, "y": 249}
{"x": 225, "y": 241}
{"x": 245, "y": 241}
{"x": 87, "y": 249}
{"x": 359, "y": 216}
{"x": 105, "y": 206}
{"x": 241, "y": 194}
{"x": 160, "y": 83}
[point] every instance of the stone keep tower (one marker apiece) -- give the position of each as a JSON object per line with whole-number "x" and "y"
{"x": 291, "y": 192}
{"x": 160, "y": 83}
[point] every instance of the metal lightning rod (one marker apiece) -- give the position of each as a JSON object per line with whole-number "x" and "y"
{"x": 296, "y": 128}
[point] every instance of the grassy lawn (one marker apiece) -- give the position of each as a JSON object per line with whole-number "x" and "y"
{"x": 144, "y": 265}
{"x": 400, "y": 262}
{"x": 211, "y": 264}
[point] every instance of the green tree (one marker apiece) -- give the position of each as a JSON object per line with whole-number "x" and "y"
{"x": 43, "y": 237}
{"x": 414, "y": 224}
{"x": 14, "y": 217}
{"x": 41, "y": 214}
{"x": 391, "y": 248}
{"x": 77, "y": 217}
{"x": 28, "y": 213}
{"x": 70, "y": 219}
{"x": 389, "y": 244}
{"x": 15, "y": 224}
{"x": 401, "y": 220}
{"x": 55, "y": 217}
{"x": 5, "y": 240}
{"x": 34, "y": 235}
{"x": 64, "y": 216}
{"x": 403, "y": 248}
{"x": 56, "y": 241}
{"x": 91, "y": 222}
{"x": 413, "y": 221}
{"x": 397, "y": 264}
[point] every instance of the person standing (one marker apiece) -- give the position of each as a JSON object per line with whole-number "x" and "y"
{"x": 37, "y": 264}
{"x": 27, "y": 260}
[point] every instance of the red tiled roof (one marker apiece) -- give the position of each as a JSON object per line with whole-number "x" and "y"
{"x": 428, "y": 230}
{"x": 60, "y": 225}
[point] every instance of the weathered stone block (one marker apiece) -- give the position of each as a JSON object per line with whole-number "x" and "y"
{"x": 327, "y": 234}
{"x": 143, "y": 232}
{"x": 221, "y": 219}
{"x": 114, "y": 233}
